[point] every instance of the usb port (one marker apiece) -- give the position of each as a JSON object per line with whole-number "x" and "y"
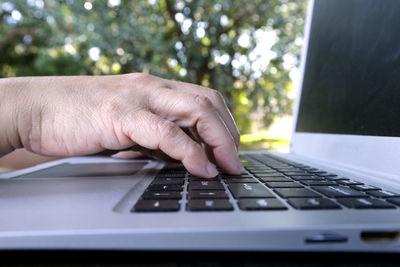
{"x": 380, "y": 236}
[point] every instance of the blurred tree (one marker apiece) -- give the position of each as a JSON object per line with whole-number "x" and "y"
{"x": 245, "y": 50}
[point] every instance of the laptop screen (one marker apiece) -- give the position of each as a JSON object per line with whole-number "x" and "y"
{"x": 351, "y": 82}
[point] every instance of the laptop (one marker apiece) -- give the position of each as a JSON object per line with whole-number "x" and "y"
{"x": 337, "y": 190}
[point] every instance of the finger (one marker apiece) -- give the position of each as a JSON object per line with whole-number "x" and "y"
{"x": 189, "y": 110}
{"x": 128, "y": 155}
{"x": 207, "y": 148}
{"x": 108, "y": 152}
{"x": 155, "y": 133}
{"x": 156, "y": 154}
{"x": 218, "y": 103}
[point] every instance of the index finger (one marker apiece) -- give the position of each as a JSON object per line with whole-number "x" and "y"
{"x": 193, "y": 110}
{"x": 218, "y": 103}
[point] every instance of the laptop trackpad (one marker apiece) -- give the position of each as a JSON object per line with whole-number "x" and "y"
{"x": 87, "y": 170}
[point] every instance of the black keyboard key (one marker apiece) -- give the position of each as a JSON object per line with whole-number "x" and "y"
{"x": 194, "y": 178}
{"x": 162, "y": 188}
{"x": 272, "y": 177}
{"x": 205, "y": 185}
{"x": 382, "y": 194}
{"x": 364, "y": 187}
{"x": 171, "y": 175}
{"x": 227, "y": 174}
{"x": 296, "y": 192}
{"x": 313, "y": 170}
{"x": 313, "y": 204}
{"x": 241, "y": 180}
{"x": 307, "y": 177}
{"x": 299, "y": 173}
{"x": 255, "y": 167}
{"x": 249, "y": 191}
{"x": 335, "y": 178}
{"x": 261, "y": 204}
{"x": 161, "y": 195}
{"x": 207, "y": 195}
{"x": 365, "y": 203}
{"x": 318, "y": 183}
{"x": 395, "y": 200}
{"x": 173, "y": 171}
{"x": 266, "y": 169}
{"x": 283, "y": 185}
{"x": 156, "y": 205}
{"x": 236, "y": 176}
{"x": 319, "y": 173}
{"x": 277, "y": 174}
{"x": 349, "y": 182}
{"x": 289, "y": 169}
{"x": 276, "y": 179}
{"x": 168, "y": 181}
{"x": 338, "y": 191}
{"x": 327, "y": 175}
{"x": 209, "y": 205}
{"x": 300, "y": 166}
{"x": 261, "y": 169}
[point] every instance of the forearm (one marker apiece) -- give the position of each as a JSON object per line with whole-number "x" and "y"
{"x": 9, "y": 103}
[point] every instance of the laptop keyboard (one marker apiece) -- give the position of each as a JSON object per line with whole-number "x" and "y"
{"x": 267, "y": 183}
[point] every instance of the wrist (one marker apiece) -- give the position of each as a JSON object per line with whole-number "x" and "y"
{"x": 9, "y": 105}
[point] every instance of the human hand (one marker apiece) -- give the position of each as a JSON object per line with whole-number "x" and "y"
{"x": 81, "y": 115}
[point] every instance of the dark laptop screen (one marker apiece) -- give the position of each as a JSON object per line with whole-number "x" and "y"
{"x": 352, "y": 77}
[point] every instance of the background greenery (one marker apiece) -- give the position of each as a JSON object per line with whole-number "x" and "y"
{"x": 245, "y": 49}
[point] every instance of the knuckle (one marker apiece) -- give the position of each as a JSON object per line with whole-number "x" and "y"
{"x": 140, "y": 78}
{"x": 191, "y": 148}
{"x": 216, "y": 96}
{"x": 203, "y": 102}
{"x": 168, "y": 129}
{"x": 148, "y": 81}
{"x": 192, "y": 151}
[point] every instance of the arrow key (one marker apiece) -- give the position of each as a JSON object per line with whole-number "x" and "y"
{"x": 261, "y": 204}
{"x": 207, "y": 195}
{"x": 156, "y": 205}
{"x": 313, "y": 203}
{"x": 209, "y": 205}
{"x": 161, "y": 195}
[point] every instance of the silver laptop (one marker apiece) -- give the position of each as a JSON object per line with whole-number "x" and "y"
{"x": 337, "y": 190}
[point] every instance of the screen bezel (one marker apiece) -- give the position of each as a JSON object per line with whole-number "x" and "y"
{"x": 373, "y": 153}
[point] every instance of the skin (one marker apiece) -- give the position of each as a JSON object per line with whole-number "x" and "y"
{"x": 81, "y": 115}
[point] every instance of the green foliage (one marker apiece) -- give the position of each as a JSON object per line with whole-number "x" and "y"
{"x": 245, "y": 50}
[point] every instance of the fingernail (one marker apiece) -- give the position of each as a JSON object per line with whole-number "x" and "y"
{"x": 239, "y": 165}
{"x": 212, "y": 171}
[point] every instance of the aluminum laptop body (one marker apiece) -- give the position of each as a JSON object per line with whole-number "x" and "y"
{"x": 89, "y": 202}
